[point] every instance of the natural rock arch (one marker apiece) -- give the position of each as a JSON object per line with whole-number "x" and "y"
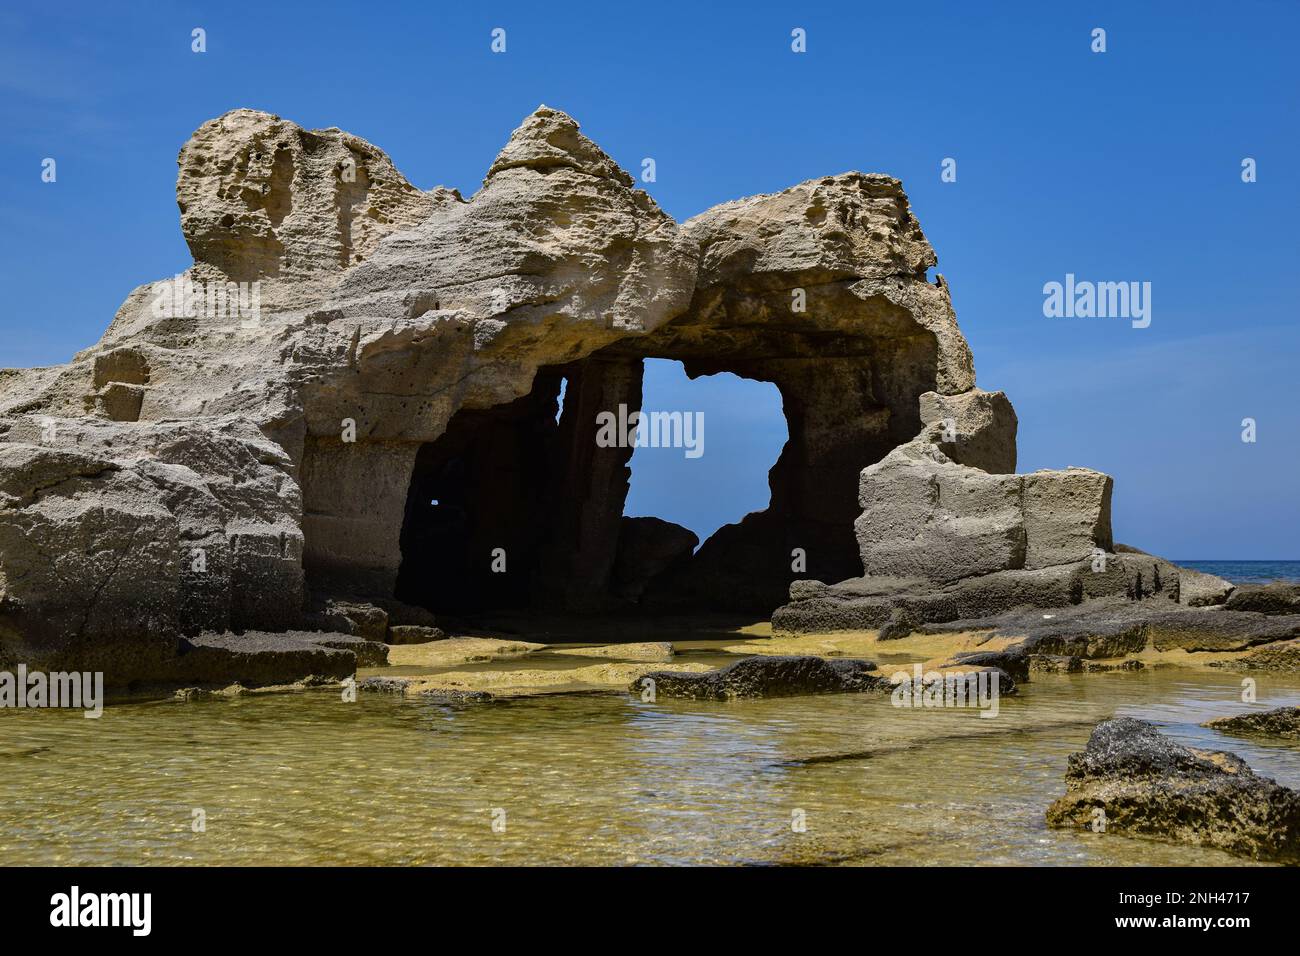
{"x": 395, "y": 333}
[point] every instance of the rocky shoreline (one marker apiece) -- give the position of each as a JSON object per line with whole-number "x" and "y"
{"x": 1132, "y": 780}
{"x": 359, "y": 478}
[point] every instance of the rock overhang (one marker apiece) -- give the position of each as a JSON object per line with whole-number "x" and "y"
{"x": 395, "y": 310}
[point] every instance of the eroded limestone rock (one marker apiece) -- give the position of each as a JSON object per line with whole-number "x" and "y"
{"x": 927, "y": 517}
{"x": 766, "y": 676}
{"x": 1283, "y": 656}
{"x": 386, "y": 425}
{"x": 262, "y": 197}
{"x": 1133, "y": 780}
{"x": 1276, "y": 598}
{"x": 1279, "y": 722}
{"x": 975, "y": 428}
{"x": 414, "y": 634}
{"x": 118, "y": 538}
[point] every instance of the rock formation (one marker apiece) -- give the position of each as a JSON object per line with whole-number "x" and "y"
{"x": 1132, "y": 780}
{"x": 766, "y": 676}
{"x": 1280, "y": 722}
{"x": 346, "y": 415}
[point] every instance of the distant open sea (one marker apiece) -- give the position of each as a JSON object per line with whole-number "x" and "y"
{"x": 1248, "y": 572}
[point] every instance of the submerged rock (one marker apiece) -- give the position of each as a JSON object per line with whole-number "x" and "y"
{"x": 406, "y": 686}
{"x": 451, "y": 695}
{"x": 384, "y": 685}
{"x": 768, "y": 676}
{"x": 1281, "y": 722}
{"x": 1133, "y": 780}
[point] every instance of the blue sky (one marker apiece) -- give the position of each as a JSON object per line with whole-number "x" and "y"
{"x": 1116, "y": 166}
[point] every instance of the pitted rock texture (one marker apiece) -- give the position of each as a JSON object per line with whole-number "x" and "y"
{"x": 1281, "y": 722}
{"x": 261, "y": 197}
{"x": 351, "y": 404}
{"x": 1133, "y": 780}
{"x": 1276, "y": 598}
{"x": 975, "y": 428}
{"x": 925, "y": 516}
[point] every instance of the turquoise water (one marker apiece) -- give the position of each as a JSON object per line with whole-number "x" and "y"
{"x": 1248, "y": 572}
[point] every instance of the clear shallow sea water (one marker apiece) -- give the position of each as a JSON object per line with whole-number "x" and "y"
{"x": 308, "y": 779}
{"x": 1249, "y": 572}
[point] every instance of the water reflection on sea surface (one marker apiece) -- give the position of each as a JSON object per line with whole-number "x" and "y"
{"x": 596, "y": 779}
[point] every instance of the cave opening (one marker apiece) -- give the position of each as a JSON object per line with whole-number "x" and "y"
{"x": 527, "y": 506}
{"x": 734, "y": 430}
{"x": 531, "y": 506}
{"x": 475, "y": 513}
{"x": 513, "y": 504}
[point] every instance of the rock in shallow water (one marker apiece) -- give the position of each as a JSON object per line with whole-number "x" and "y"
{"x": 1133, "y": 780}
{"x": 188, "y": 474}
{"x": 1284, "y": 656}
{"x": 768, "y": 676}
{"x": 414, "y": 634}
{"x": 369, "y": 653}
{"x": 1280, "y": 722}
{"x": 641, "y": 651}
{"x": 258, "y": 658}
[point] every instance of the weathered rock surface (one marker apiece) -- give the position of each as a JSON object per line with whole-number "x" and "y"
{"x": 117, "y": 539}
{"x": 975, "y": 428}
{"x": 260, "y": 658}
{"x": 1122, "y": 604}
{"x": 414, "y": 634}
{"x": 1280, "y": 722}
{"x": 1276, "y": 598}
{"x": 364, "y": 397}
{"x": 924, "y": 516}
{"x": 767, "y": 676}
{"x": 1282, "y": 656}
{"x": 1138, "y": 782}
{"x": 975, "y": 602}
{"x": 1114, "y": 628}
{"x": 647, "y": 547}
{"x": 1198, "y": 589}
{"x": 1220, "y": 630}
{"x": 368, "y": 653}
{"x": 350, "y": 617}
{"x": 261, "y": 197}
